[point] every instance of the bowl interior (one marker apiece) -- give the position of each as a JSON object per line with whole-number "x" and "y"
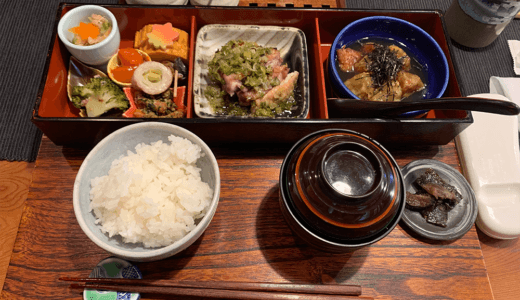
{"x": 289, "y": 41}
{"x": 423, "y": 47}
{"x": 98, "y": 163}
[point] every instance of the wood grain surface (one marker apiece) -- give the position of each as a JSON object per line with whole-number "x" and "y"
{"x": 502, "y": 259}
{"x": 248, "y": 239}
{"x": 15, "y": 179}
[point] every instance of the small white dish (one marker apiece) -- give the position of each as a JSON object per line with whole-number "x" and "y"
{"x": 96, "y": 54}
{"x": 290, "y": 41}
{"x": 490, "y": 160}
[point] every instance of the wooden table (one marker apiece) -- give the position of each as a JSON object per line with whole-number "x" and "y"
{"x": 248, "y": 239}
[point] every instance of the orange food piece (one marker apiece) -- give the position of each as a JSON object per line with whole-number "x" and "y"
{"x": 130, "y": 57}
{"x": 124, "y": 73}
{"x": 85, "y": 30}
{"x": 129, "y": 60}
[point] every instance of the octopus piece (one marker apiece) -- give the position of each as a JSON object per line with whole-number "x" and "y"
{"x": 232, "y": 83}
{"x": 278, "y": 93}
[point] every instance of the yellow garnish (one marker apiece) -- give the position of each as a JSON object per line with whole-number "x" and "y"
{"x": 153, "y": 75}
{"x": 162, "y": 36}
{"x": 85, "y": 30}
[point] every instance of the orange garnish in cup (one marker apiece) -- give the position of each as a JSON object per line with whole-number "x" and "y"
{"x": 85, "y": 30}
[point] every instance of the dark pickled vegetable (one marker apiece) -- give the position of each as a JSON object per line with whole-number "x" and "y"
{"x": 177, "y": 65}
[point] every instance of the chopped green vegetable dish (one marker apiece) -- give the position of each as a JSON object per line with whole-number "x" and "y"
{"x": 99, "y": 96}
{"x": 244, "y": 73}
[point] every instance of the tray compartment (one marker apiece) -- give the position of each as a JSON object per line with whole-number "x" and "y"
{"x": 60, "y": 122}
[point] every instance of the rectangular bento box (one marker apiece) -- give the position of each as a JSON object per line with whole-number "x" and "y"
{"x": 61, "y": 123}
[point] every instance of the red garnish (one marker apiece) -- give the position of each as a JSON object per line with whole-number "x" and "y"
{"x": 179, "y": 100}
{"x": 129, "y": 113}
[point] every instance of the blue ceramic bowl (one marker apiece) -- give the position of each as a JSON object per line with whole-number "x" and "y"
{"x": 425, "y": 49}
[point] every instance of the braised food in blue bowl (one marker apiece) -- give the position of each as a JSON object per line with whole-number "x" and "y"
{"x": 384, "y": 58}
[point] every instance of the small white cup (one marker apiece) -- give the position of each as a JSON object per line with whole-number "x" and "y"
{"x": 96, "y": 54}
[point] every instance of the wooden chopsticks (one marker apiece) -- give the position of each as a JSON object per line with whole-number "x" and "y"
{"x": 221, "y": 289}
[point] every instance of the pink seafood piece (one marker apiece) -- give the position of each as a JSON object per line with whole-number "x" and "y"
{"x": 232, "y": 84}
{"x": 280, "y": 92}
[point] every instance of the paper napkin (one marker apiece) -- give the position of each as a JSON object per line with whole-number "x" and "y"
{"x": 514, "y": 48}
{"x": 508, "y": 87}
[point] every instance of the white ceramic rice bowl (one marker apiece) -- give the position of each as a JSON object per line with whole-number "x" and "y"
{"x": 98, "y": 162}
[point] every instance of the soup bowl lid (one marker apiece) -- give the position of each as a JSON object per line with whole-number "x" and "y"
{"x": 344, "y": 185}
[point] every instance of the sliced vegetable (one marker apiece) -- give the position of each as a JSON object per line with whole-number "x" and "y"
{"x": 152, "y": 78}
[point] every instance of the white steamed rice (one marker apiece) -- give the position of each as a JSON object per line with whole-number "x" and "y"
{"x": 152, "y": 196}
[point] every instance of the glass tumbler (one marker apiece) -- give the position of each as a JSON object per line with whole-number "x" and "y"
{"x": 477, "y": 23}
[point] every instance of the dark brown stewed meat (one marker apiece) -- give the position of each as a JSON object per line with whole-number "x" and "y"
{"x": 419, "y": 201}
{"x": 434, "y": 198}
{"x": 432, "y": 183}
{"x": 437, "y": 214}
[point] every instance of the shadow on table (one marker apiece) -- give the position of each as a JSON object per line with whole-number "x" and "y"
{"x": 169, "y": 267}
{"x": 292, "y": 258}
{"x": 496, "y": 243}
